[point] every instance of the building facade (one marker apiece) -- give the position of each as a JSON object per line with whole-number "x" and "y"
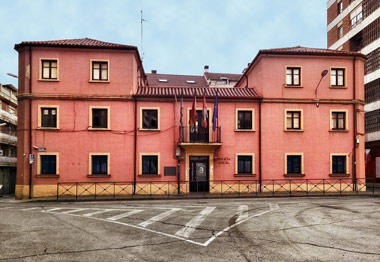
{"x": 354, "y": 25}
{"x": 88, "y": 113}
{"x": 8, "y": 138}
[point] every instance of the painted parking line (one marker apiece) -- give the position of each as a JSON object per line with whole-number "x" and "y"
{"x": 159, "y": 217}
{"x": 194, "y": 223}
{"x": 30, "y": 208}
{"x": 130, "y": 213}
{"x": 274, "y": 206}
{"x": 242, "y": 213}
{"x": 74, "y": 210}
{"x": 51, "y": 210}
{"x": 98, "y": 212}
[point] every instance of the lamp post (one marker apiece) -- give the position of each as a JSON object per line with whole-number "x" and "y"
{"x": 12, "y": 75}
{"x": 323, "y": 74}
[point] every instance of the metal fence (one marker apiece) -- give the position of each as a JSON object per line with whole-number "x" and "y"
{"x": 214, "y": 188}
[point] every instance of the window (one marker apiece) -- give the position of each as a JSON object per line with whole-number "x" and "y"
{"x": 294, "y": 164}
{"x": 244, "y": 165}
{"x": 150, "y": 119}
{"x": 340, "y": 31}
{"x": 99, "y": 164}
{"x": 337, "y": 76}
{"x": 340, "y": 6}
{"x": 48, "y": 116}
{"x": 338, "y": 120}
{"x": 47, "y": 164}
{"x": 356, "y": 16}
{"x": 99, "y": 118}
{"x": 99, "y": 70}
{"x": 293, "y": 120}
{"x": 149, "y": 164}
{"x": 293, "y": 76}
{"x": 49, "y": 69}
{"x": 339, "y": 164}
{"x": 244, "y": 119}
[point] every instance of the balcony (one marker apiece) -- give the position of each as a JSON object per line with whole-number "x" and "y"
{"x": 8, "y": 117}
{"x": 7, "y": 95}
{"x": 8, "y": 139}
{"x": 199, "y": 136}
{"x": 8, "y": 161}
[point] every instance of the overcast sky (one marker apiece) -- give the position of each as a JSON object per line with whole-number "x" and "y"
{"x": 180, "y": 37}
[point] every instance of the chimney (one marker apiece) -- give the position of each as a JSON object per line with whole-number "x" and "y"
{"x": 206, "y": 68}
{"x": 154, "y": 72}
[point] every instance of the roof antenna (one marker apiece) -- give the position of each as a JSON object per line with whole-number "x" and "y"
{"x": 141, "y": 21}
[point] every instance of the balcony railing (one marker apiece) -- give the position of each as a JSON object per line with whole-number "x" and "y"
{"x": 199, "y": 134}
{"x": 8, "y": 161}
{"x": 8, "y": 139}
{"x": 8, "y": 117}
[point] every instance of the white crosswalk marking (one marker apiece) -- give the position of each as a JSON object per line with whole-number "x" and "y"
{"x": 274, "y": 206}
{"x": 158, "y": 217}
{"x": 130, "y": 213}
{"x": 243, "y": 213}
{"x": 74, "y": 210}
{"x": 98, "y": 212}
{"x": 193, "y": 223}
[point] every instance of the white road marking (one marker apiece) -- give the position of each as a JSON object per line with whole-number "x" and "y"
{"x": 30, "y": 208}
{"x": 158, "y": 217}
{"x": 74, "y": 210}
{"x": 205, "y": 244}
{"x": 243, "y": 212}
{"x": 130, "y": 213}
{"x": 53, "y": 209}
{"x": 193, "y": 223}
{"x": 98, "y": 212}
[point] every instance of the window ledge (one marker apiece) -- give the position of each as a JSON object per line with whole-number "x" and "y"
{"x": 98, "y": 81}
{"x": 294, "y": 175}
{"x": 150, "y": 129}
{"x": 98, "y": 129}
{"x": 338, "y": 87}
{"x": 49, "y": 128}
{"x": 149, "y": 175}
{"x": 245, "y": 130}
{"x": 244, "y": 175}
{"x": 338, "y": 131}
{"x": 48, "y": 175}
{"x": 339, "y": 175}
{"x": 293, "y": 130}
{"x": 48, "y": 80}
{"x": 98, "y": 175}
{"x": 293, "y": 86}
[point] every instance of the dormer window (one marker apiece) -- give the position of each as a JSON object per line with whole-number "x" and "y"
{"x": 225, "y": 80}
{"x": 190, "y": 81}
{"x": 163, "y": 80}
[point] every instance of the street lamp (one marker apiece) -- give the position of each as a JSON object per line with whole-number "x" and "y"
{"x": 323, "y": 74}
{"x": 12, "y": 75}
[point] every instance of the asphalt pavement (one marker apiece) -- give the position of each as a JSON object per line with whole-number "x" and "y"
{"x": 259, "y": 229}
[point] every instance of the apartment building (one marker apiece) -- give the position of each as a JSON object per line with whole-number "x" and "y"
{"x": 8, "y": 138}
{"x": 88, "y": 113}
{"x": 354, "y": 25}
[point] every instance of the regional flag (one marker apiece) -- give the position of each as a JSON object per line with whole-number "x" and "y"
{"x": 215, "y": 113}
{"x": 193, "y": 113}
{"x": 204, "y": 113}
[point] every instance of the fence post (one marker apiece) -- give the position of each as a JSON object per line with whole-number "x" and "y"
{"x": 76, "y": 191}
{"x": 239, "y": 187}
{"x": 57, "y": 191}
{"x": 290, "y": 187}
{"x": 323, "y": 183}
{"x": 340, "y": 186}
{"x": 307, "y": 187}
{"x": 114, "y": 190}
{"x": 95, "y": 190}
{"x": 273, "y": 187}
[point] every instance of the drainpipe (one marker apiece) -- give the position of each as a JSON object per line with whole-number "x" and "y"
{"x": 134, "y": 150}
{"x": 355, "y": 127}
{"x": 260, "y": 160}
{"x": 30, "y": 121}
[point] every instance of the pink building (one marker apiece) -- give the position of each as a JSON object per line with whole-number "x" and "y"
{"x": 88, "y": 113}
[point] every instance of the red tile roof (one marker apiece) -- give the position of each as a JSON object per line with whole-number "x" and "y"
{"x": 218, "y": 76}
{"x": 175, "y": 80}
{"x": 77, "y": 43}
{"x": 210, "y": 92}
{"x": 300, "y": 50}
